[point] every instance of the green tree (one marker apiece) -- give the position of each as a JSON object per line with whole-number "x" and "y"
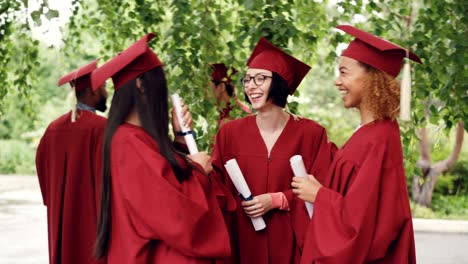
{"x": 18, "y": 51}
{"x": 440, "y": 32}
{"x": 193, "y": 34}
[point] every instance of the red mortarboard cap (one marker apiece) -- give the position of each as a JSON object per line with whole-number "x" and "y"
{"x": 376, "y": 52}
{"x": 80, "y": 78}
{"x": 127, "y": 65}
{"x": 221, "y": 73}
{"x": 267, "y": 56}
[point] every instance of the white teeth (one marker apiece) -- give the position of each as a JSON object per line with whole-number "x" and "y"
{"x": 344, "y": 92}
{"x": 255, "y": 96}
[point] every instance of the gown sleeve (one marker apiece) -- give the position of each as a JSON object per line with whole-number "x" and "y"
{"x": 224, "y": 188}
{"x": 324, "y": 153}
{"x": 184, "y": 216}
{"x": 321, "y": 154}
{"x": 41, "y": 166}
{"x": 225, "y": 191}
{"x": 96, "y": 163}
{"x": 343, "y": 225}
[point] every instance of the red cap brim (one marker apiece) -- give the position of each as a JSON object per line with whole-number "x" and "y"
{"x": 269, "y": 57}
{"x": 127, "y": 65}
{"x": 221, "y": 73}
{"x": 376, "y": 52}
{"x": 79, "y": 78}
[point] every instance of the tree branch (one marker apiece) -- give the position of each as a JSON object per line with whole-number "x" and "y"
{"x": 416, "y": 188}
{"x": 424, "y": 161}
{"x": 445, "y": 165}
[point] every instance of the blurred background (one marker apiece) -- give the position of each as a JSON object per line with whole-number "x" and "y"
{"x": 43, "y": 40}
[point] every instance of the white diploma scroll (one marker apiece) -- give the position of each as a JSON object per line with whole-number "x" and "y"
{"x": 189, "y": 139}
{"x": 297, "y": 165}
{"x": 239, "y": 181}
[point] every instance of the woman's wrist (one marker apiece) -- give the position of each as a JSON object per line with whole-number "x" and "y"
{"x": 179, "y": 140}
{"x": 279, "y": 201}
{"x": 182, "y": 134}
{"x": 315, "y": 194}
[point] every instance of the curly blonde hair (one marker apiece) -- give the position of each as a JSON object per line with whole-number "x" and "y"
{"x": 381, "y": 94}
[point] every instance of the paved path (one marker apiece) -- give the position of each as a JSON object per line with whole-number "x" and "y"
{"x": 23, "y": 229}
{"x": 23, "y": 222}
{"x": 441, "y": 248}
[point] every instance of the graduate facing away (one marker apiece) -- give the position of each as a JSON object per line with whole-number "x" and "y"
{"x": 362, "y": 212}
{"x": 224, "y": 92}
{"x": 262, "y": 145}
{"x": 158, "y": 205}
{"x": 68, "y": 163}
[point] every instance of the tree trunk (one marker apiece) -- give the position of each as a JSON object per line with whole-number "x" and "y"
{"x": 423, "y": 186}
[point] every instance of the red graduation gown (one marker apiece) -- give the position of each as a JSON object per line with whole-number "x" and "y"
{"x": 225, "y": 116}
{"x": 68, "y": 163}
{"x": 241, "y": 139}
{"x": 156, "y": 219}
{"x": 363, "y": 216}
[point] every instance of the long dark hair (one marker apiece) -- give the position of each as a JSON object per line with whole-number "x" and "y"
{"x": 279, "y": 91}
{"x": 228, "y": 85}
{"x": 152, "y": 108}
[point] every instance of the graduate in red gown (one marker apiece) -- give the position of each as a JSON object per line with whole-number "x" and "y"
{"x": 68, "y": 162}
{"x": 362, "y": 212}
{"x": 262, "y": 144}
{"x": 158, "y": 204}
{"x": 224, "y": 92}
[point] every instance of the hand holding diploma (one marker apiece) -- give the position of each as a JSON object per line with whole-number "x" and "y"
{"x": 203, "y": 159}
{"x": 241, "y": 185}
{"x": 182, "y": 125}
{"x": 297, "y": 165}
{"x": 258, "y": 206}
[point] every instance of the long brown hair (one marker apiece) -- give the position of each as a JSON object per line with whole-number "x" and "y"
{"x": 381, "y": 93}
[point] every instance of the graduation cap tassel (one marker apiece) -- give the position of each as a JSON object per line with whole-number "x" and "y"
{"x": 405, "y": 88}
{"x": 74, "y": 101}
{"x": 405, "y": 92}
{"x": 286, "y": 109}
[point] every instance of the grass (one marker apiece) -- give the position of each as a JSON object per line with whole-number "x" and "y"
{"x": 451, "y": 207}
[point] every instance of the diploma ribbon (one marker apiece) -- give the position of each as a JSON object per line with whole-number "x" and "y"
{"x": 246, "y": 199}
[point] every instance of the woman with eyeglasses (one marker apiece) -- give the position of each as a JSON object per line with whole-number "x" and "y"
{"x": 262, "y": 145}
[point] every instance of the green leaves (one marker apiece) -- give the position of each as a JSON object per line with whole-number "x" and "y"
{"x": 51, "y": 14}
{"x": 36, "y": 17}
{"x": 44, "y": 9}
{"x": 193, "y": 34}
{"x": 438, "y": 31}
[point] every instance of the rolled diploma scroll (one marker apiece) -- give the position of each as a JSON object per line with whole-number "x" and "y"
{"x": 189, "y": 139}
{"x": 299, "y": 170}
{"x": 239, "y": 181}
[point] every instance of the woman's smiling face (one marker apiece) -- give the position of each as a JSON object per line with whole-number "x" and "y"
{"x": 351, "y": 82}
{"x": 256, "y": 92}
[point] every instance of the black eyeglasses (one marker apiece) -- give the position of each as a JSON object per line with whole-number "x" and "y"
{"x": 258, "y": 79}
